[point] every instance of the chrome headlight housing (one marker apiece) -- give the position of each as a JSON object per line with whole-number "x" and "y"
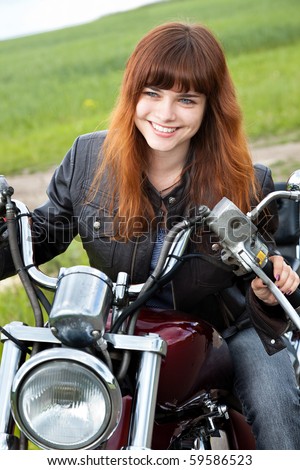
{"x": 66, "y": 399}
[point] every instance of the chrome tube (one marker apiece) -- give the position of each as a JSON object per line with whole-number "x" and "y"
{"x": 27, "y": 251}
{"x": 293, "y": 195}
{"x": 141, "y": 426}
{"x": 10, "y": 363}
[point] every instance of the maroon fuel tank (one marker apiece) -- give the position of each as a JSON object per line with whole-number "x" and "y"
{"x": 197, "y": 357}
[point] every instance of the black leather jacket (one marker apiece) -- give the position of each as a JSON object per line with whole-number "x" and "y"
{"x": 198, "y": 286}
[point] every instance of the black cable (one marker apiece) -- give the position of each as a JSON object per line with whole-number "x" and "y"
{"x": 3, "y": 228}
{"x": 18, "y": 263}
{"x": 43, "y": 299}
{"x": 15, "y": 340}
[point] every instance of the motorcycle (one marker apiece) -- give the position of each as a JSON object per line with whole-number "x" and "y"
{"x": 105, "y": 372}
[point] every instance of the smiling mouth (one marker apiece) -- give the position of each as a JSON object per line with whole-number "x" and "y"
{"x": 165, "y": 130}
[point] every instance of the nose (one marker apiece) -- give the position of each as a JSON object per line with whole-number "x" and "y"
{"x": 165, "y": 110}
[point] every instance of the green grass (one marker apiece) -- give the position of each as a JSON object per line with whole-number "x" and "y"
{"x": 270, "y": 96}
{"x": 282, "y": 169}
{"x": 57, "y": 85}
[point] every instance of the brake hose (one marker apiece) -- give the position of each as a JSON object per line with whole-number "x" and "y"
{"x": 17, "y": 260}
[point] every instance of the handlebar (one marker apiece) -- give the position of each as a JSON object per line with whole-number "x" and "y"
{"x": 36, "y": 275}
{"x": 240, "y": 241}
{"x": 293, "y": 195}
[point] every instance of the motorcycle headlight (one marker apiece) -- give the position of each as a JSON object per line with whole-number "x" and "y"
{"x": 66, "y": 399}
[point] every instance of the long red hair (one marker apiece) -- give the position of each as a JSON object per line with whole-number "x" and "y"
{"x": 188, "y": 57}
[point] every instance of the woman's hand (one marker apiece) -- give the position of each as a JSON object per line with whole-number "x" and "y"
{"x": 287, "y": 281}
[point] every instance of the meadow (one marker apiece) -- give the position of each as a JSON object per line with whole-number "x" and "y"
{"x": 57, "y": 85}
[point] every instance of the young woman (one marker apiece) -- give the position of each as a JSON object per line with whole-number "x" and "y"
{"x": 175, "y": 142}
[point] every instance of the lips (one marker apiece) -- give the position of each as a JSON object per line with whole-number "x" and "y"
{"x": 163, "y": 129}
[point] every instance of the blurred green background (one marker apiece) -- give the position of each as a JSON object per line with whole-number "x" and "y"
{"x": 57, "y": 85}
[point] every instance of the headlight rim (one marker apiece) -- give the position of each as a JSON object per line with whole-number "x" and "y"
{"x": 89, "y": 362}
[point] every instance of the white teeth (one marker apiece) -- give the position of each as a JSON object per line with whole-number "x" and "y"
{"x": 168, "y": 130}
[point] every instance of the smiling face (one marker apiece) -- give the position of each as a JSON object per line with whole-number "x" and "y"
{"x": 168, "y": 119}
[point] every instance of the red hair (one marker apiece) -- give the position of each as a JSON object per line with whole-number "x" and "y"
{"x": 188, "y": 57}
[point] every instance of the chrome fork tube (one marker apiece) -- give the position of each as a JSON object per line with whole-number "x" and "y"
{"x": 11, "y": 357}
{"x": 141, "y": 427}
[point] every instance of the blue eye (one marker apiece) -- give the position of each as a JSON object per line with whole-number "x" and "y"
{"x": 151, "y": 93}
{"x": 186, "y": 101}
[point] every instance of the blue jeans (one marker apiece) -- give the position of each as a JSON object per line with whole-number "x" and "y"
{"x": 267, "y": 388}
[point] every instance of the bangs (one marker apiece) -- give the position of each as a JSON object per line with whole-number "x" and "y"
{"x": 175, "y": 69}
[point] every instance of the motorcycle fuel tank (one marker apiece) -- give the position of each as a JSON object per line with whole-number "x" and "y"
{"x": 197, "y": 357}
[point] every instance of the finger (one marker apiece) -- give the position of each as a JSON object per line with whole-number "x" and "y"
{"x": 262, "y": 292}
{"x": 257, "y": 283}
{"x": 284, "y": 277}
{"x": 289, "y": 279}
{"x": 291, "y": 285}
{"x": 278, "y": 266}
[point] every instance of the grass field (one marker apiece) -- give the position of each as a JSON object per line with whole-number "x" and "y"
{"x": 57, "y": 85}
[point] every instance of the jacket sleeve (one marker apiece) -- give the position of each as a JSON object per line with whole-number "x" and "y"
{"x": 53, "y": 223}
{"x": 270, "y": 322}
{"x": 267, "y": 222}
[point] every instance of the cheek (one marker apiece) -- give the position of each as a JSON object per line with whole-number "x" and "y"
{"x": 199, "y": 116}
{"x": 141, "y": 109}
{"x": 139, "y": 118}
{"x": 199, "y": 119}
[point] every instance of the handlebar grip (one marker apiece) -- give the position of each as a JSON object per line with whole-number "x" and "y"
{"x": 294, "y": 298}
{"x": 3, "y": 187}
{"x": 3, "y": 183}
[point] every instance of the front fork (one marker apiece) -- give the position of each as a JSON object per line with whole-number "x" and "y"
{"x": 142, "y": 418}
{"x": 152, "y": 348}
{"x": 12, "y": 357}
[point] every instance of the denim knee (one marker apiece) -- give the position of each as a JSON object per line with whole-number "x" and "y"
{"x": 267, "y": 388}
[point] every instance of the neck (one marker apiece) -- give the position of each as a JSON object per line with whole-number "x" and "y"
{"x": 165, "y": 172}
{"x": 165, "y": 178}
{"x": 167, "y": 161}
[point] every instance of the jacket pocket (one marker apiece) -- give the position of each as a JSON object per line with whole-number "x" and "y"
{"x": 96, "y": 232}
